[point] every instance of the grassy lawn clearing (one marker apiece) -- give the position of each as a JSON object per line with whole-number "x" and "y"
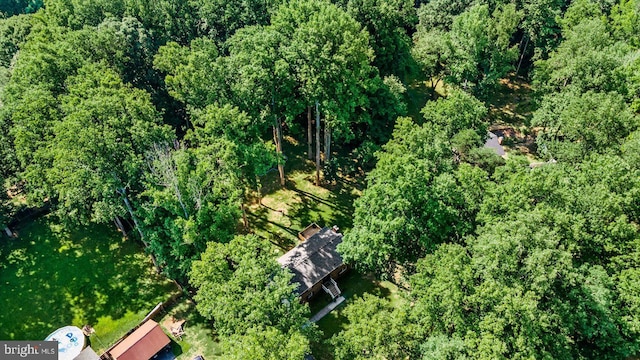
{"x": 198, "y": 338}
{"x": 419, "y": 91}
{"x": 52, "y": 277}
{"x": 283, "y": 212}
{"x": 512, "y": 103}
{"x": 510, "y": 112}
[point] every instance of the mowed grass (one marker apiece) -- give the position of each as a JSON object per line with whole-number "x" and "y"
{"x": 282, "y": 212}
{"x": 52, "y": 277}
{"x": 198, "y": 337}
{"x": 512, "y": 103}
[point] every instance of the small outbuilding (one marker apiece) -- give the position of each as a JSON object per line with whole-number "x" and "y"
{"x": 495, "y": 143}
{"x": 315, "y": 262}
{"x": 142, "y": 344}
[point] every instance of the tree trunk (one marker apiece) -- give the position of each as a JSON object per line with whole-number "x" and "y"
{"x": 133, "y": 217}
{"x": 310, "y": 133}
{"x": 522, "y": 55}
{"x": 277, "y": 138}
{"x": 244, "y": 215}
{"x": 280, "y": 162}
{"x": 8, "y": 231}
{"x": 179, "y": 196}
{"x": 327, "y": 142}
{"x": 123, "y": 193}
{"x": 317, "y": 145}
{"x": 120, "y": 226}
{"x": 259, "y": 190}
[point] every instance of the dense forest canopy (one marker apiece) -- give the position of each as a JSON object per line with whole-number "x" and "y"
{"x": 164, "y": 116}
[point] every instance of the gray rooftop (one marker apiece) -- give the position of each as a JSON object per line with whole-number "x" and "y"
{"x": 313, "y": 259}
{"x": 87, "y": 354}
{"x": 494, "y": 143}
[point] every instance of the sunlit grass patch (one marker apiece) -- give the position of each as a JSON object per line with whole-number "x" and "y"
{"x": 52, "y": 277}
{"x": 198, "y": 337}
{"x": 281, "y": 212}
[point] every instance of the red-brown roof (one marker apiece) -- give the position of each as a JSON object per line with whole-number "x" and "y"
{"x": 142, "y": 344}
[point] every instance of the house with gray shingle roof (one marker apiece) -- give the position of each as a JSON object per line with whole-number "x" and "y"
{"x": 315, "y": 262}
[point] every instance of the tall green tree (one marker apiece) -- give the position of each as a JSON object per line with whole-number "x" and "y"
{"x": 261, "y": 82}
{"x": 13, "y": 33}
{"x": 540, "y": 26}
{"x": 432, "y": 52}
{"x": 226, "y": 127}
{"x": 387, "y": 22}
{"x": 195, "y": 74}
{"x": 481, "y": 49}
{"x": 52, "y": 54}
{"x": 124, "y": 44}
{"x": 190, "y": 199}
{"x": 439, "y": 14}
{"x": 331, "y": 57}
{"x": 475, "y": 52}
{"x": 31, "y": 105}
{"x": 375, "y": 330}
{"x": 588, "y": 59}
{"x": 219, "y": 20}
{"x": 251, "y": 299}
{"x": 167, "y": 20}
{"x": 195, "y": 192}
{"x": 516, "y": 293}
{"x": 98, "y": 145}
{"x": 575, "y": 126}
{"x": 456, "y": 112}
{"x": 269, "y": 343}
{"x": 416, "y": 198}
{"x": 624, "y": 21}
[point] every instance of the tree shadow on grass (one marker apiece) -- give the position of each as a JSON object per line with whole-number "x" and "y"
{"x": 296, "y": 162}
{"x": 512, "y": 102}
{"x": 176, "y": 349}
{"x": 199, "y": 337}
{"x": 54, "y": 277}
{"x": 282, "y": 236}
{"x": 307, "y": 212}
{"x": 311, "y": 198}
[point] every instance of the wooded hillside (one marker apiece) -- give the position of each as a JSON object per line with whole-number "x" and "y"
{"x": 166, "y": 117}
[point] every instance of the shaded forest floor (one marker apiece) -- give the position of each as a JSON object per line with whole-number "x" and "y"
{"x": 52, "y": 277}
{"x": 510, "y": 113}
